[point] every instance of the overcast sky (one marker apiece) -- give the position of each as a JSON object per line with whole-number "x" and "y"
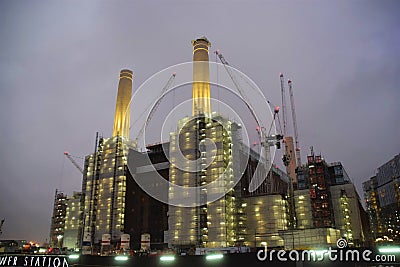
{"x": 60, "y": 62}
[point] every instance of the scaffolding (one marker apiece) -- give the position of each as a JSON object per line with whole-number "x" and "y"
{"x": 319, "y": 192}
{"x": 213, "y": 223}
{"x": 346, "y": 214}
{"x": 104, "y": 190}
{"x": 58, "y": 218}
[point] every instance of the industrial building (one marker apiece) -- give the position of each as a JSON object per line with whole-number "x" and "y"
{"x": 238, "y": 217}
{"x": 382, "y": 198}
{"x": 213, "y": 223}
{"x": 206, "y": 223}
{"x": 113, "y": 203}
{"x": 105, "y": 174}
{"x": 309, "y": 206}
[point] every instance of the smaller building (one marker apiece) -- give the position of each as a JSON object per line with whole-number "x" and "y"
{"x": 58, "y": 219}
{"x": 348, "y": 213}
{"x": 382, "y": 198}
{"x": 327, "y": 199}
{"x": 372, "y": 204}
{"x": 73, "y": 221}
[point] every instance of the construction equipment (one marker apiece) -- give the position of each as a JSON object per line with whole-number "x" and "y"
{"x": 284, "y": 117}
{"x": 287, "y": 157}
{"x": 156, "y": 105}
{"x": 236, "y": 83}
{"x": 73, "y": 161}
{"x": 296, "y": 135}
{"x": 267, "y": 139}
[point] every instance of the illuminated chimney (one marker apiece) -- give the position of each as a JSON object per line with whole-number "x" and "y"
{"x": 122, "y": 109}
{"x": 201, "y": 77}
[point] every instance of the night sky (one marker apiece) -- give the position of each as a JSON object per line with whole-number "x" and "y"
{"x": 60, "y": 62}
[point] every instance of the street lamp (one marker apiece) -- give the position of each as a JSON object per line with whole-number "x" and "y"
{"x": 59, "y": 238}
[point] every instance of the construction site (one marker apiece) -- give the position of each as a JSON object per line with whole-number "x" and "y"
{"x": 242, "y": 198}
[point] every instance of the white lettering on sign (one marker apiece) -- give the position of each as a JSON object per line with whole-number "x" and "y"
{"x": 33, "y": 261}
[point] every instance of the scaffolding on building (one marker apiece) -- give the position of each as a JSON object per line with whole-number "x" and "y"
{"x": 319, "y": 191}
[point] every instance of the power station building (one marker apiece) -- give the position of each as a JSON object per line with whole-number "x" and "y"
{"x": 112, "y": 202}
{"x": 210, "y": 170}
{"x": 223, "y": 214}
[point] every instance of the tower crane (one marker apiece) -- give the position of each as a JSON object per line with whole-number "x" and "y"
{"x": 267, "y": 139}
{"x": 288, "y": 159}
{"x": 284, "y": 117}
{"x": 296, "y": 135}
{"x": 73, "y": 161}
{"x": 156, "y": 105}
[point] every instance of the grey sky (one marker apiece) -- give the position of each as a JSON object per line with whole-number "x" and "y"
{"x": 60, "y": 61}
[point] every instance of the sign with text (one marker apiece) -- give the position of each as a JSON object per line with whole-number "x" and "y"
{"x": 33, "y": 261}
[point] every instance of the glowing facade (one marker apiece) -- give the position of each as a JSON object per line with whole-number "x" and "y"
{"x": 58, "y": 219}
{"x": 212, "y": 224}
{"x": 303, "y": 209}
{"x": 266, "y": 216}
{"x": 73, "y": 219}
{"x": 105, "y": 172}
{"x": 104, "y": 187}
{"x": 201, "y": 77}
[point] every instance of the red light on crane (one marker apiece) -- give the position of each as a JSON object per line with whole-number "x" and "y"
{"x": 66, "y": 153}
{"x": 258, "y": 128}
{"x": 281, "y": 74}
{"x": 289, "y": 81}
{"x": 276, "y": 110}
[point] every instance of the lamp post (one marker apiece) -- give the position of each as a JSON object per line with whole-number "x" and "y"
{"x": 59, "y": 239}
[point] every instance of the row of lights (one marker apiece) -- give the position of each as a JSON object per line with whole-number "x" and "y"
{"x": 165, "y": 258}
{"x": 210, "y": 257}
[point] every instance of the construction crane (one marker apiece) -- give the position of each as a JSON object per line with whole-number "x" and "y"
{"x": 286, "y": 155}
{"x": 267, "y": 139}
{"x": 287, "y": 158}
{"x": 73, "y": 161}
{"x": 156, "y": 105}
{"x": 235, "y": 82}
{"x": 296, "y": 135}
